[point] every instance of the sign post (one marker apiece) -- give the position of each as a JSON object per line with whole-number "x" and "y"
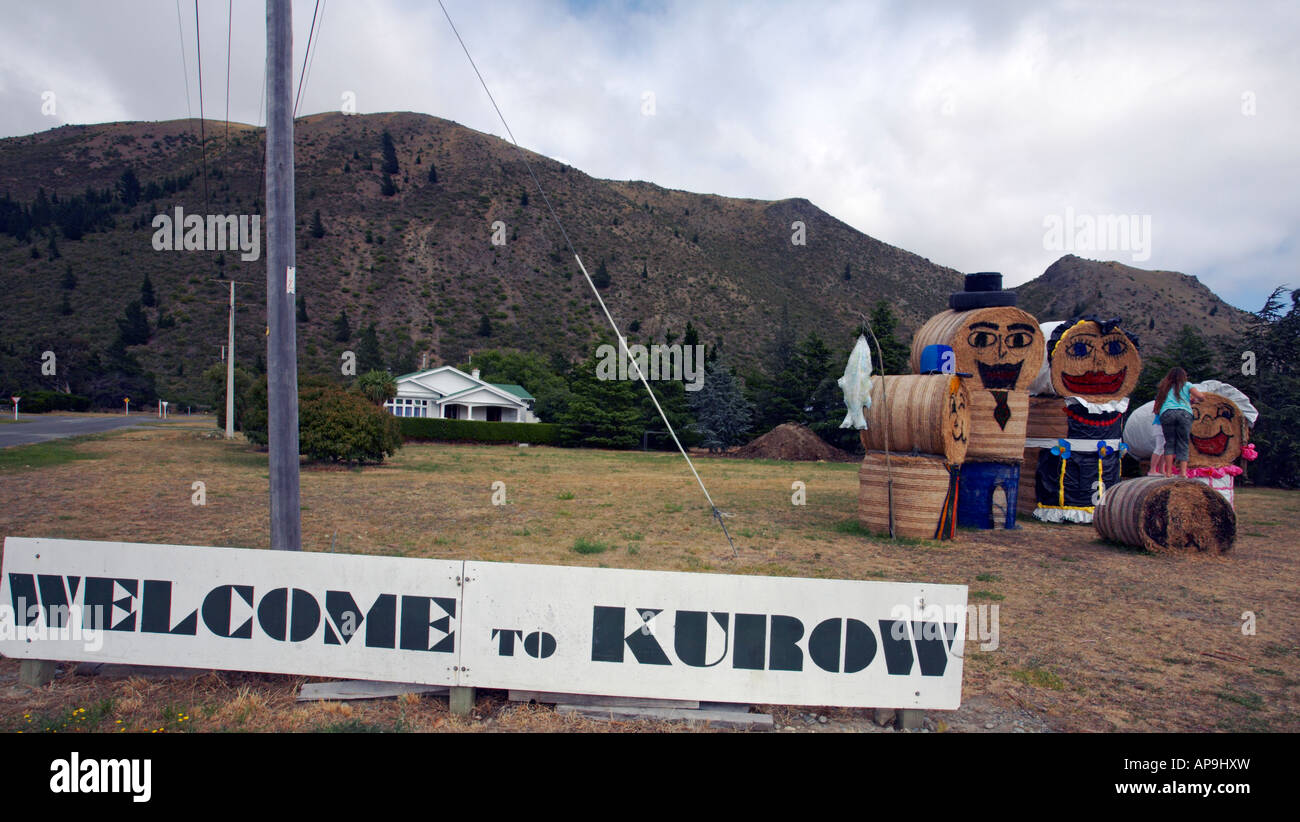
{"x": 15, "y": 400}
{"x": 127, "y": 400}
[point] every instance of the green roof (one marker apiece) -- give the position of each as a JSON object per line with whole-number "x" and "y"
{"x": 512, "y": 388}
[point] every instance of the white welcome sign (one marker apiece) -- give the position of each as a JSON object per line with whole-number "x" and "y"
{"x": 669, "y": 635}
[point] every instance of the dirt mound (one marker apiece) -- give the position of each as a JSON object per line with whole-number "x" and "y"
{"x": 791, "y": 441}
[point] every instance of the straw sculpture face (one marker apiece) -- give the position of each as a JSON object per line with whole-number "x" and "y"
{"x": 1218, "y": 432}
{"x": 957, "y": 415}
{"x": 1002, "y": 347}
{"x": 1095, "y": 364}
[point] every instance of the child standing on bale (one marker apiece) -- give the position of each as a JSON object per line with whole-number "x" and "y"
{"x": 1174, "y": 398}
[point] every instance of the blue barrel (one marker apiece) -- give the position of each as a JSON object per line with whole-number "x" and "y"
{"x": 979, "y": 480}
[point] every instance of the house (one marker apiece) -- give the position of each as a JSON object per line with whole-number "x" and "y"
{"x": 449, "y": 393}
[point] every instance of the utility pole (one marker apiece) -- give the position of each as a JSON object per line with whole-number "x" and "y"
{"x": 230, "y": 369}
{"x": 281, "y": 346}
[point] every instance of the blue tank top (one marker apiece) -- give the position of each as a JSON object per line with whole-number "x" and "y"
{"x": 1182, "y": 401}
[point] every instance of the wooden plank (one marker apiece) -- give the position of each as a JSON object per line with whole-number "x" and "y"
{"x": 599, "y": 701}
{"x": 713, "y": 718}
{"x": 115, "y": 670}
{"x": 362, "y": 689}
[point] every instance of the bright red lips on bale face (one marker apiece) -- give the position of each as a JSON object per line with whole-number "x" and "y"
{"x": 1213, "y": 446}
{"x": 1094, "y": 382}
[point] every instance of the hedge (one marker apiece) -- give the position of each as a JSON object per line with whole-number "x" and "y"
{"x": 422, "y": 428}
{"x": 39, "y": 402}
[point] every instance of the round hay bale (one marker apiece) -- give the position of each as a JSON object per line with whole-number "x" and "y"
{"x": 1167, "y": 515}
{"x": 997, "y": 425}
{"x": 927, "y": 414}
{"x": 1094, "y": 362}
{"x": 1001, "y": 347}
{"x": 1028, "y": 470}
{"x": 1219, "y": 430}
{"x": 924, "y": 493}
{"x": 1046, "y": 418}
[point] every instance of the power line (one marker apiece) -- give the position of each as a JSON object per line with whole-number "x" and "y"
{"x": 622, "y": 341}
{"x": 302, "y": 75}
{"x": 185, "y": 69}
{"x": 321, "y": 25}
{"x": 203, "y": 148}
{"x": 225, "y": 147}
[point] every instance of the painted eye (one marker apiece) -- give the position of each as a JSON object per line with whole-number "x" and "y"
{"x": 1115, "y": 347}
{"x": 1019, "y": 339}
{"x": 1079, "y": 349}
{"x": 1226, "y": 413}
{"x": 982, "y": 339}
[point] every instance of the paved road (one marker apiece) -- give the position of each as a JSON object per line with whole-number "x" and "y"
{"x": 42, "y": 427}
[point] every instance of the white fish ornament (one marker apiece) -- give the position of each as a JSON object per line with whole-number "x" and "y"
{"x": 856, "y": 384}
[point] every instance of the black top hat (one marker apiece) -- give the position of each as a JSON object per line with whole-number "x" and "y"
{"x": 983, "y": 290}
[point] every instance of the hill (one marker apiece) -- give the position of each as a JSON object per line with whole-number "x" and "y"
{"x": 420, "y": 263}
{"x": 1154, "y": 304}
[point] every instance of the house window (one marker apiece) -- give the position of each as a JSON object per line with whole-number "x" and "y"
{"x": 493, "y": 414}
{"x": 452, "y": 412}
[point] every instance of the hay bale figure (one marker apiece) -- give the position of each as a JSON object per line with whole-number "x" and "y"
{"x": 1094, "y": 360}
{"x": 1167, "y": 515}
{"x": 1093, "y": 365}
{"x": 922, "y": 414}
{"x": 1219, "y": 431}
{"x": 1002, "y": 348}
{"x": 924, "y": 495}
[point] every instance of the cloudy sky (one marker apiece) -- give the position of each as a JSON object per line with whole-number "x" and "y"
{"x": 983, "y": 135}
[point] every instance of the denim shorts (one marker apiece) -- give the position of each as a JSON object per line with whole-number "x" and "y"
{"x": 1177, "y": 426}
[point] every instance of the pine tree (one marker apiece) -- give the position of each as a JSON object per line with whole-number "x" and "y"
{"x": 69, "y": 279}
{"x": 386, "y": 186}
{"x": 390, "y": 154}
{"x": 301, "y": 306}
{"x": 848, "y": 272}
{"x": 53, "y": 247}
{"x": 369, "y": 355}
{"x": 133, "y": 327}
{"x": 601, "y": 278}
{"x": 317, "y": 227}
{"x": 523, "y": 198}
{"x": 433, "y": 173}
{"x": 128, "y": 188}
{"x": 484, "y": 326}
{"x": 342, "y": 328}
{"x": 147, "y": 297}
{"x": 896, "y": 355}
{"x": 66, "y": 308}
{"x": 722, "y": 414}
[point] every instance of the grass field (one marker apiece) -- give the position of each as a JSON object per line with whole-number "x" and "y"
{"x": 1091, "y": 636}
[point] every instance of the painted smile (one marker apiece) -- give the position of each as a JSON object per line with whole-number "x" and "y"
{"x": 1212, "y": 446}
{"x": 1002, "y": 375}
{"x": 1095, "y": 382}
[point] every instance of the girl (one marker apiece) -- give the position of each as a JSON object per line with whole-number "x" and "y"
{"x": 1174, "y": 410}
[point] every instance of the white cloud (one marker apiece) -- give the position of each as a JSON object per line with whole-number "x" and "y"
{"x": 948, "y": 129}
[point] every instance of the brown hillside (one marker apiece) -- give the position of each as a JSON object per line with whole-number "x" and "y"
{"x": 429, "y": 272}
{"x": 1153, "y": 304}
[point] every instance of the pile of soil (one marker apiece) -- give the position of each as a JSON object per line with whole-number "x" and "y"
{"x": 794, "y": 442}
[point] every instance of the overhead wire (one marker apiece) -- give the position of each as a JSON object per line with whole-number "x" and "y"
{"x": 203, "y": 148}
{"x": 622, "y": 341}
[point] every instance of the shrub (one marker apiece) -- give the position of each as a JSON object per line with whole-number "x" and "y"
{"x": 334, "y": 424}
{"x": 419, "y": 428}
{"x": 39, "y": 402}
{"x": 341, "y": 426}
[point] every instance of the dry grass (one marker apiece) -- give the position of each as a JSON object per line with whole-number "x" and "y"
{"x": 1093, "y": 637}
